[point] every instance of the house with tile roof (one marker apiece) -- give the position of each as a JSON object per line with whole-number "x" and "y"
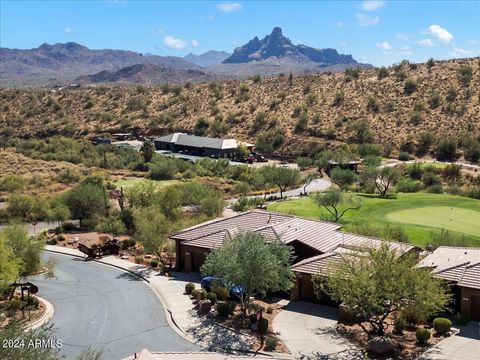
{"x": 315, "y": 243}
{"x": 460, "y": 266}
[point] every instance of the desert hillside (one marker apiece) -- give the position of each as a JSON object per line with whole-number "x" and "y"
{"x": 398, "y": 103}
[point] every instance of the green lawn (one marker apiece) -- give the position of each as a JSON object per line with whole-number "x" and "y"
{"x": 129, "y": 182}
{"x": 419, "y": 214}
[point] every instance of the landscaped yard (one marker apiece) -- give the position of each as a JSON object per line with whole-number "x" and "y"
{"x": 129, "y": 182}
{"x": 419, "y": 214}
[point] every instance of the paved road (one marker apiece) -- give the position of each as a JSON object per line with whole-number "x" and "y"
{"x": 315, "y": 185}
{"x": 102, "y": 307}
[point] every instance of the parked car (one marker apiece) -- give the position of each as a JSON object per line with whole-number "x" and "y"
{"x": 236, "y": 291}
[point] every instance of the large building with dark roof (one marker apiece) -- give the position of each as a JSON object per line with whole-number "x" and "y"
{"x": 200, "y": 145}
{"x": 315, "y": 243}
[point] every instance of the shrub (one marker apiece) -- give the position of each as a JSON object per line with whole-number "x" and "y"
{"x": 435, "y": 189}
{"x": 302, "y": 123}
{"x": 128, "y": 243}
{"x": 435, "y": 101}
{"x": 408, "y": 186}
{"x": 212, "y": 297}
{"x": 410, "y": 86}
{"x": 373, "y": 104}
{"x": 189, "y": 287}
{"x": 32, "y": 302}
{"x": 442, "y": 325}
{"x": 400, "y": 324}
{"x": 269, "y": 310}
{"x": 200, "y": 293}
{"x": 221, "y": 291}
{"x": 271, "y": 343}
{"x": 403, "y": 156}
{"x": 154, "y": 263}
{"x": 263, "y": 326}
{"x": 138, "y": 259}
{"x": 382, "y": 73}
{"x": 446, "y": 150}
{"x": 422, "y": 335}
{"x": 465, "y": 74}
{"x": 223, "y": 309}
{"x": 338, "y": 99}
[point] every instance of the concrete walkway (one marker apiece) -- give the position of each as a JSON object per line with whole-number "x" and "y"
{"x": 309, "y": 332}
{"x": 463, "y": 346}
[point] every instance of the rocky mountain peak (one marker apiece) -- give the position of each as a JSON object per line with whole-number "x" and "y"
{"x": 276, "y": 45}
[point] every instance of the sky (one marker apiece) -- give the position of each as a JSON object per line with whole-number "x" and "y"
{"x": 376, "y": 32}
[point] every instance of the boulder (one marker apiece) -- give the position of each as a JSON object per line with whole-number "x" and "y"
{"x": 381, "y": 345}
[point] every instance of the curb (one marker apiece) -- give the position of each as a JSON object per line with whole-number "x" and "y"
{"x": 170, "y": 319}
{"x": 46, "y": 317}
{"x": 100, "y": 262}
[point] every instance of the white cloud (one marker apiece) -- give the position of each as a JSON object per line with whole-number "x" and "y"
{"x": 440, "y": 33}
{"x": 194, "y": 42}
{"x": 173, "y": 42}
{"x": 425, "y": 42}
{"x": 365, "y": 20}
{"x": 68, "y": 30}
{"x": 229, "y": 7}
{"x": 459, "y": 52}
{"x": 473, "y": 42}
{"x": 403, "y": 37}
{"x": 372, "y": 5}
{"x": 384, "y": 45}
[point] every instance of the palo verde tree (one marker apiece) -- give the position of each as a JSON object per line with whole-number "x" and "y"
{"x": 152, "y": 229}
{"x": 343, "y": 178}
{"x": 383, "y": 178}
{"x": 250, "y": 261}
{"x": 337, "y": 203}
{"x": 375, "y": 284}
{"x": 147, "y": 150}
{"x": 27, "y": 249}
{"x": 9, "y": 265}
{"x": 282, "y": 177}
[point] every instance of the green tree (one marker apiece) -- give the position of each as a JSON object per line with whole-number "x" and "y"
{"x": 282, "y": 177}
{"x": 86, "y": 201}
{"x": 250, "y": 261}
{"x": 383, "y": 178}
{"x": 59, "y": 211}
{"x": 343, "y": 178}
{"x": 27, "y": 249}
{"x": 147, "y": 150}
{"x": 21, "y": 206}
{"x": 374, "y": 286}
{"x": 446, "y": 149}
{"x": 169, "y": 202}
{"x": 9, "y": 265}
{"x": 142, "y": 195}
{"x": 152, "y": 229}
{"x": 112, "y": 225}
{"x": 337, "y": 203}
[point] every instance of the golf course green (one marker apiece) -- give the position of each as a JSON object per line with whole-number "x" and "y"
{"x": 419, "y": 214}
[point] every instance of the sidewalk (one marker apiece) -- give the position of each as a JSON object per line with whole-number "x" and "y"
{"x": 309, "y": 332}
{"x": 462, "y": 346}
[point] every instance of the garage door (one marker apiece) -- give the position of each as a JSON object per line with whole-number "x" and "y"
{"x": 197, "y": 260}
{"x": 475, "y": 310}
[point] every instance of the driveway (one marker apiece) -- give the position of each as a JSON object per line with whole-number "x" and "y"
{"x": 309, "y": 332}
{"x": 463, "y": 346}
{"x": 102, "y": 307}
